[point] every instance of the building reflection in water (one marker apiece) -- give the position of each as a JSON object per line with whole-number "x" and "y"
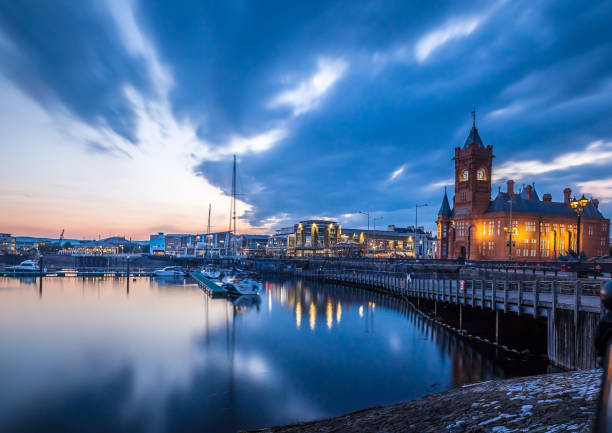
{"x": 468, "y": 362}
{"x": 298, "y": 314}
{"x": 312, "y": 314}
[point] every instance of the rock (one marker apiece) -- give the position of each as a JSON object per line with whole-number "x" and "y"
{"x": 551, "y": 402}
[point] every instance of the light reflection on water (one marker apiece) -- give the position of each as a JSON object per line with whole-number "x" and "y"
{"x": 93, "y": 355}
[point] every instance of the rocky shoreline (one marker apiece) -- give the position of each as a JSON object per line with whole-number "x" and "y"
{"x": 558, "y": 402}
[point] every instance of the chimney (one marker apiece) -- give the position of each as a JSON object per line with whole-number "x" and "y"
{"x": 510, "y": 184}
{"x": 547, "y": 197}
{"x": 528, "y": 191}
{"x": 566, "y": 196}
{"x": 595, "y": 203}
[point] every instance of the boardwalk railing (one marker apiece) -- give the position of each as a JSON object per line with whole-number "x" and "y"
{"x": 534, "y": 298}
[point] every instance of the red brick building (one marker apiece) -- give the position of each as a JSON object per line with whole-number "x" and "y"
{"x": 478, "y": 228}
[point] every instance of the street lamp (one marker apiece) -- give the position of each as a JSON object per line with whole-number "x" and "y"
{"x": 578, "y": 206}
{"x": 374, "y": 221}
{"x": 368, "y": 214}
{"x": 416, "y": 221}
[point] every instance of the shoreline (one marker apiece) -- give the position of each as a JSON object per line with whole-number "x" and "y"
{"x": 555, "y": 402}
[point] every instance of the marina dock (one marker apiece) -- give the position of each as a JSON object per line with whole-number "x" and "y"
{"x": 207, "y": 285}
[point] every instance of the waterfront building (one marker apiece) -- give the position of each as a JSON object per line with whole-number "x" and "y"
{"x": 281, "y": 242}
{"x": 217, "y": 244}
{"x": 157, "y": 244}
{"x": 177, "y": 245}
{"x": 315, "y": 237}
{"x": 516, "y": 224}
{"x": 405, "y": 242}
{"x": 328, "y": 238}
{"x": 251, "y": 245}
{"x": 7, "y": 243}
{"x": 95, "y": 248}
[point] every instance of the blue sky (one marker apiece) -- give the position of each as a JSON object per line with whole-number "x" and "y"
{"x": 122, "y": 117}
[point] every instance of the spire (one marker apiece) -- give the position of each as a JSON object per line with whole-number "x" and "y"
{"x": 445, "y": 208}
{"x": 473, "y": 137}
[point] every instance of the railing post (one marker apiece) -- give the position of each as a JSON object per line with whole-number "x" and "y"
{"x": 535, "y": 299}
{"x": 493, "y": 303}
{"x": 505, "y": 296}
{"x": 553, "y": 308}
{"x": 576, "y": 303}
{"x": 520, "y": 296}
{"x": 483, "y": 289}
{"x": 457, "y": 288}
{"x": 473, "y": 291}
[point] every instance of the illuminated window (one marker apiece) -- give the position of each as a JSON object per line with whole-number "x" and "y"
{"x": 530, "y": 226}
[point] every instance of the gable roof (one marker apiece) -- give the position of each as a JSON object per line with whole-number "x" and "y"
{"x": 536, "y": 206}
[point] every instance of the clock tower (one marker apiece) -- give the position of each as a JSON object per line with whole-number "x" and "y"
{"x": 473, "y": 163}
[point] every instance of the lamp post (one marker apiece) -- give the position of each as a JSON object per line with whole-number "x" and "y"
{"x": 368, "y": 214}
{"x": 511, "y": 229}
{"x": 416, "y": 222}
{"x": 578, "y": 206}
{"x": 416, "y": 214}
{"x": 374, "y": 221}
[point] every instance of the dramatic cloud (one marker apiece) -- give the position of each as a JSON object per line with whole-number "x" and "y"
{"x": 434, "y": 40}
{"x": 125, "y": 115}
{"x": 598, "y": 153}
{"x": 308, "y": 93}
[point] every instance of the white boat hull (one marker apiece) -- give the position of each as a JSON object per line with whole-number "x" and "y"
{"x": 244, "y": 287}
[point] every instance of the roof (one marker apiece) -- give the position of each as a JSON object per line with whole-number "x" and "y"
{"x": 536, "y": 206}
{"x": 445, "y": 208}
{"x": 534, "y": 194}
{"x": 262, "y": 236}
{"x": 473, "y": 138}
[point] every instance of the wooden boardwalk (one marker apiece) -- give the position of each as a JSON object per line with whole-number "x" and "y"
{"x": 535, "y": 298}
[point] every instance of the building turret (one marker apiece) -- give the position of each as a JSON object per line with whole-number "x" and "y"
{"x": 444, "y": 228}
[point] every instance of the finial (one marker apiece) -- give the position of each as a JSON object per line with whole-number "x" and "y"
{"x": 474, "y": 117}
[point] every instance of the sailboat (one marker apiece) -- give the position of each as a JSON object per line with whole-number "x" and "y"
{"x": 238, "y": 284}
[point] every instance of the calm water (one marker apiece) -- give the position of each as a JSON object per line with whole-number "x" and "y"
{"x": 89, "y": 355}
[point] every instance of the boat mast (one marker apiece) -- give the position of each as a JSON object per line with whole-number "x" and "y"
{"x": 207, "y": 231}
{"x": 233, "y": 208}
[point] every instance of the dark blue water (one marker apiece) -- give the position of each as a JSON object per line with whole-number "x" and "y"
{"x": 89, "y": 355}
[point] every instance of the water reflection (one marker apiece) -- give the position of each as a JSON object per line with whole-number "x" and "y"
{"x": 157, "y": 355}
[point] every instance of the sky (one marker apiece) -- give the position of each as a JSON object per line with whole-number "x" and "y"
{"x": 121, "y": 117}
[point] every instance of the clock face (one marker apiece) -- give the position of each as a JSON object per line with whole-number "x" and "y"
{"x": 465, "y": 175}
{"x": 480, "y": 174}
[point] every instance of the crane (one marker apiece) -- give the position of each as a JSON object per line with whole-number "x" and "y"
{"x": 61, "y": 238}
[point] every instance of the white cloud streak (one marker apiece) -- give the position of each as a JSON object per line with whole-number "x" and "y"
{"x": 600, "y": 188}
{"x": 308, "y": 94}
{"x": 396, "y": 173}
{"x": 437, "y": 38}
{"x": 596, "y": 153}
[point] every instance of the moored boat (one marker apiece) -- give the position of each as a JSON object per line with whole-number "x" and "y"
{"x": 27, "y": 266}
{"x": 169, "y": 271}
{"x": 211, "y": 273}
{"x": 243, "y": 286}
